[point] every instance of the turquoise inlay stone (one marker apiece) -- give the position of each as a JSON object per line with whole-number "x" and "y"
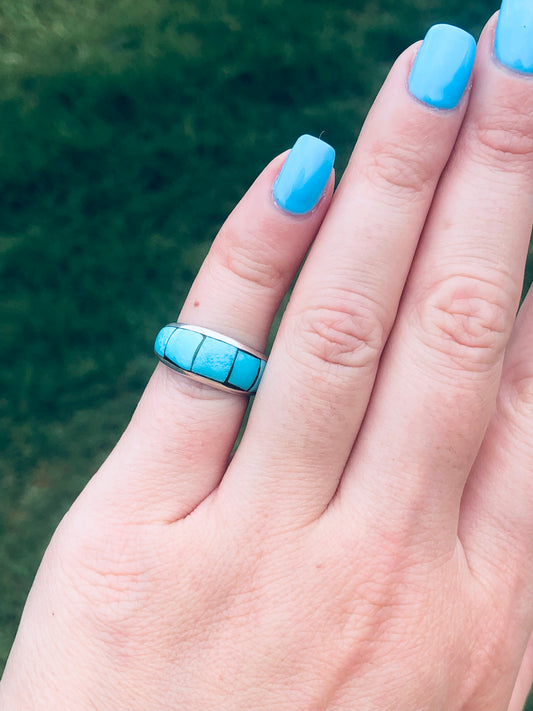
{"x": 244, "y": 371}
{"x": 181, "y": 347}
{"x": 214, "y": 359}
{"x": 162, "y": 339}
{"x": 258, "y": 379}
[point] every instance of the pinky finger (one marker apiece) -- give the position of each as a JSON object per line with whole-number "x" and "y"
{"x": 496, "y": 525}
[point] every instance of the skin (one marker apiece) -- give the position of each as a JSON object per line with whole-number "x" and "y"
{"x": 370, "y": 544}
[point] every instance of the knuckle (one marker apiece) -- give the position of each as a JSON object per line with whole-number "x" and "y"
{"x": 107, "y": 565}
{"x": 399, "y": 170}
{"x": 505, "y": 143}
{"x": 467, "y": 319}
{"x": 242, "y": 258}
{"x": 346, "y": 332}
{"x": 505, "y": 137}
{"x": 102, "y": 575}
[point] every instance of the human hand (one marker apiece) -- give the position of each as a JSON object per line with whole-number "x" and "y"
{"x": 369, "y": 545}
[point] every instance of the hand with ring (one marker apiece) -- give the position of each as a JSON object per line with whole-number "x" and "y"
{"x": 369, "y": 545}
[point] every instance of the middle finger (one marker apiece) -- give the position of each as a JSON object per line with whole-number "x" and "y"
{"x": 322, "y": 367}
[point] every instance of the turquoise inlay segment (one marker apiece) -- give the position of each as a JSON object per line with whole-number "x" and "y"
{"x": 210, "y": 357}
{"x": 162, "y": 339}
{"x": 513, "y": 43}
{"x": 258, "y": 379}
{"x": 443, "y": 66}
{"x": 182, "y": 346}
{"x": 304, "y": 175}
{"x": 244, "y": 371}
{"x": 214, "y": 359}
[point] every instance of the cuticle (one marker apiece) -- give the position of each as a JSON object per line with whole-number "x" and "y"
{"x": 510, "y": 71}
{"x": 436, "y": 109}
{"x": 296, "y": 215}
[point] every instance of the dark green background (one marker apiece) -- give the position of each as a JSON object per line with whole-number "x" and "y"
{"x": 128, "y": 130}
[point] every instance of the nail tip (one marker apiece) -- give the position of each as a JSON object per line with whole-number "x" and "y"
{"x": 454, "y": 30}
{"x": 318, "y": 144}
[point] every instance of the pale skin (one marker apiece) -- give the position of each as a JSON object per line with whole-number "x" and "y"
{"x": 370, "y": 544}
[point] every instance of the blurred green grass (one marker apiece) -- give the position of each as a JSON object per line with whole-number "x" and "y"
{"x": 128, "y": 131}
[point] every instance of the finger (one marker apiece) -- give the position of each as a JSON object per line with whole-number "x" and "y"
{"x": 440, "y": 376}
{"x": 326, "y": 353}
{"x": 496, "y": 525}
{"x": 178, "y": 443}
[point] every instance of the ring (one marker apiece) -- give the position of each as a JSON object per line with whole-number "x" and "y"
{"x": 209, "y": 357}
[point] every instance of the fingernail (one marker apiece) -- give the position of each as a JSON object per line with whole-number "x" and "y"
{"x": 304, "y": 175}
{"x": 443, "y": 65}
{"x": 513, "y": 43}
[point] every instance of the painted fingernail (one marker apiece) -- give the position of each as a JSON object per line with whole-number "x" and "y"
{"x": 443, "y": 65}
{"x": 304, "y": 175}
{"x": 513, "y": 43}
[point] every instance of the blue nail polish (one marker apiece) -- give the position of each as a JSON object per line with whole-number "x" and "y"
{"x": 513, "y": 43}
{"x": 304, "y": 175}
{"x": 442, "y": 68}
